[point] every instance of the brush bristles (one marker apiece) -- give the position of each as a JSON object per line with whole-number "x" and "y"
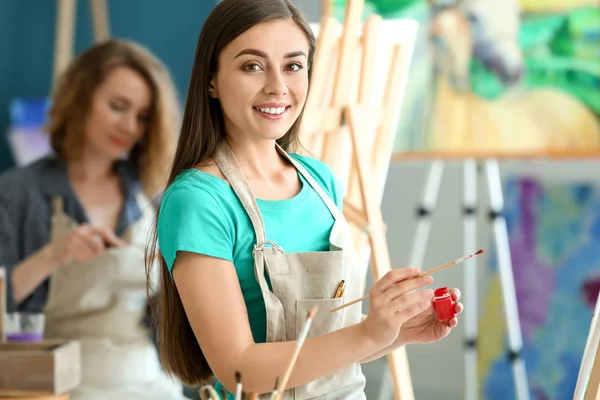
{"x": 479, "y": 252}
{"x": 238, "y": 376}
{"x": 313, "y": 312}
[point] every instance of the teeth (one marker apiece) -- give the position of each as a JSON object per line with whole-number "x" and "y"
{"x": 274, "y": 111}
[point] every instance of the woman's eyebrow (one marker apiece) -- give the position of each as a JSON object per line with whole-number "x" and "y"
{"x": 262, "y": 54}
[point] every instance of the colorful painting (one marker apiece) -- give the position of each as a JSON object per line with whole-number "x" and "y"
{"x": 559, "y": 49}
{"x": 554, "y": 232}
{"x": 512, "y": 64}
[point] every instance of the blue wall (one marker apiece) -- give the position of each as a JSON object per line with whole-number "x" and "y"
{"x": 169, "y": 29}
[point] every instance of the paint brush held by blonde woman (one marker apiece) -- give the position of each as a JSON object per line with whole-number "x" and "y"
{"x": 299, "y": 344}
{"x": 431, "y": 271}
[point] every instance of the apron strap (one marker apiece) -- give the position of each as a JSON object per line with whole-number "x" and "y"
{"x": 58, "y": 207}
{"x": 60, "y": 221}
{"x": 228, "y": 164}
{"x": 333, "y": 209}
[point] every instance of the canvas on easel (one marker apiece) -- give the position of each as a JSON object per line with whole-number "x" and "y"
{"x": 478, "y": 132}
{"x": 358, "y": 83}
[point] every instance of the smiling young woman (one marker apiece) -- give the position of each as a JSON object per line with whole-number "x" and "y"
{"x": 252, "y": 235}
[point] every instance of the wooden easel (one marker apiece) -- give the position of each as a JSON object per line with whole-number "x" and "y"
{"x": 348, "y": 126}
{"x": 64, "y": 40}
{"x": 588, "y": 380}
{"x": 479, "y": 132}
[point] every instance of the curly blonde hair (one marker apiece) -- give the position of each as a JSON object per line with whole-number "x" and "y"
{"x": 72, "y": 100}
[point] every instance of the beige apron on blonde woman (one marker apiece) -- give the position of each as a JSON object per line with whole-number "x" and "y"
{"x": 301, "y": 281}
{"x": 102, "y": 304}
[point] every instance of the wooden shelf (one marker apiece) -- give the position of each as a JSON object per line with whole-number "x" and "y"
{"x": 31, "y": 395}
{"x": 559, "y": 155}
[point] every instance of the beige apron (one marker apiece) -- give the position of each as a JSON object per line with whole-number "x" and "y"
{"x": 102, "y": 304}
{"x": 301, "y": 281}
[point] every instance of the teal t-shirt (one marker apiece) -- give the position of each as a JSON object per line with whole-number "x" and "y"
{"x": 201, "y": 213}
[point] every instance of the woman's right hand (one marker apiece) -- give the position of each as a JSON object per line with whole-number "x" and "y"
{"x": 82, "y": 244}
{"x": 393, "y": 301}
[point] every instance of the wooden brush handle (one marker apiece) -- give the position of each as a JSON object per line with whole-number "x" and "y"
{"x": 431, "y": 271}
{"x": 436, "y": 269}
{"x": 350, "y": 303}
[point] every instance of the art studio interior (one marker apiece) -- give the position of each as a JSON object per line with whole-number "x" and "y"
{"x": 299, "y": 199}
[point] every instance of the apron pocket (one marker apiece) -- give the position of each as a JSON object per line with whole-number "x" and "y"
{"x": 324, "y": 321}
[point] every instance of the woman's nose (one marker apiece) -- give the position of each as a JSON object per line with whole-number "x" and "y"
{"x": 130, "y": 123}
{"x": 275, "y": 84}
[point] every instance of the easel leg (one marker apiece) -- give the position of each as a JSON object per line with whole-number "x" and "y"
{"x": 469, "y": 298}
{"x": 380, "y": 254}
{"x": 65, "y": 36}
{"x": 424, "y": 211}
{"x": 589, "y": 360}
{"x": 430, "y": 196}
{"x": 100, "y": 20}
{"x": 592, "y": 391}
{"x": 515, "y": 338}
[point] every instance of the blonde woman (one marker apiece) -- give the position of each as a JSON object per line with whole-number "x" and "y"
{"x": 73, "y": 225}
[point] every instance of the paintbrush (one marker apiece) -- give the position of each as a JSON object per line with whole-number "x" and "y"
{"x": 253, "y": 396}
{"x": 207, "y": 392}
{"x": 431, "y": 271}
{"x": 275, "y": 391}
{"x": 224, "y": 393}
{"x": 451, "y": 263}
{"x": 238, "y": 387}
{"x": 299, "y": 344}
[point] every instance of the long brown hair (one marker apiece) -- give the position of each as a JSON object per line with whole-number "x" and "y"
{"x": 202, "y": 130}
{"x": 72, "y": 100}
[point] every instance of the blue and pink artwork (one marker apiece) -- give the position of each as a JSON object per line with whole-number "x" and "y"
{"x": 554, "y": 232}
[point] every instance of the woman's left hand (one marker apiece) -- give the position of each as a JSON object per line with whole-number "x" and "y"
{"x": 425, "y": 327}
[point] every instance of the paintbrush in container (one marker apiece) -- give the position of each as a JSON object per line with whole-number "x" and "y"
{"x": 238, "y": 385}
{"x": 207, "y": 392}
{"x": 431, "y": 271}
{"x": 275, "y": 391}
{"x": 299, "y": 344}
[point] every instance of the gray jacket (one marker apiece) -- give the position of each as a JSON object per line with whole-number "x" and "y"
{"x": 25, "y": 211}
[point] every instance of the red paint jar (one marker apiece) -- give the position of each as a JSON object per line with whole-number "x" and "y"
{"x": 443, "y": 304}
